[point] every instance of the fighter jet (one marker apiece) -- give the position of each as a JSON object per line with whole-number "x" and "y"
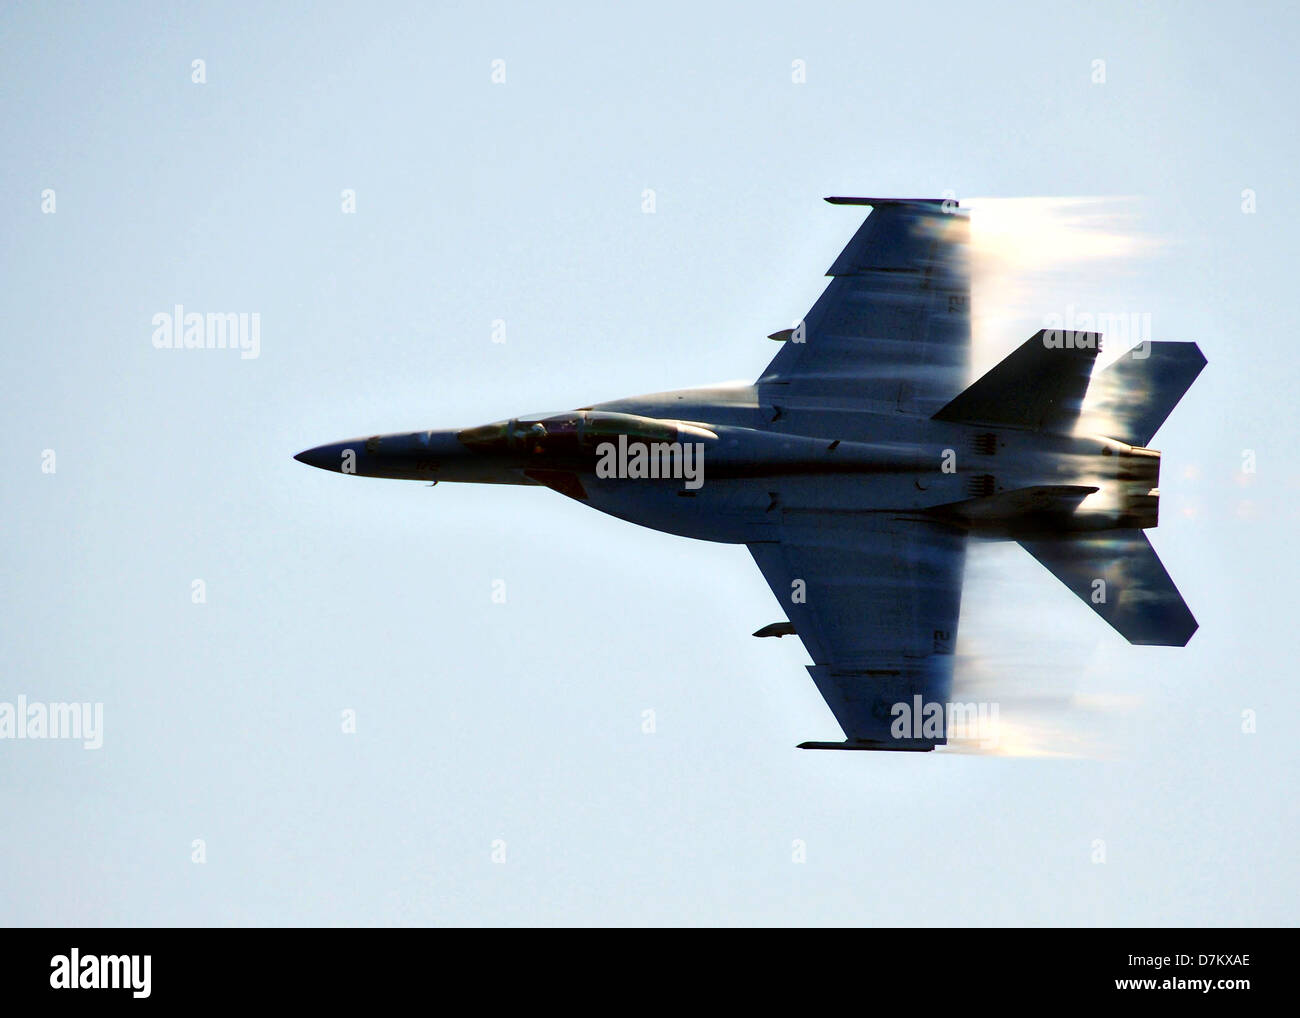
{"x": 861, "y": 462}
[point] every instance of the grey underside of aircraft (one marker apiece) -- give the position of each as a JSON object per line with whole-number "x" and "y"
{"x": 861, "y": 462}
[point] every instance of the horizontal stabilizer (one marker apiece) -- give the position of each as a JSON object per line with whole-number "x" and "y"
{"x": 1039, "y": 387}
{"x": 1131, "y": 398}
{"x": 1119, "y": 576}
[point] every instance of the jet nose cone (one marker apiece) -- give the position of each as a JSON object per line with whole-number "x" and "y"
{"x": 326, "y": 457}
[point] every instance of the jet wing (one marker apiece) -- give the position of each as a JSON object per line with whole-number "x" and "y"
{"x": 892, "y": 330}
{"x": 875, "y": 598}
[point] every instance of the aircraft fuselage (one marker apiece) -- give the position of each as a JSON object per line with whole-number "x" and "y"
{"x": 718, "y": 465}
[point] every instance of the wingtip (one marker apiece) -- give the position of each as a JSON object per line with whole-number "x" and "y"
{"x": 840, "y": 199}
{"x": 870, "y": 745}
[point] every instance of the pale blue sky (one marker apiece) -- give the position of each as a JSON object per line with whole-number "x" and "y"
{"x": 522, "y": 201}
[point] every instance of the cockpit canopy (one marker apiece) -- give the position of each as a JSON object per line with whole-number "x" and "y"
{"x": 575, "y": 431}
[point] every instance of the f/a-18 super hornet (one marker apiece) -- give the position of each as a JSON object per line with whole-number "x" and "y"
{"x": 861, "y": 461}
